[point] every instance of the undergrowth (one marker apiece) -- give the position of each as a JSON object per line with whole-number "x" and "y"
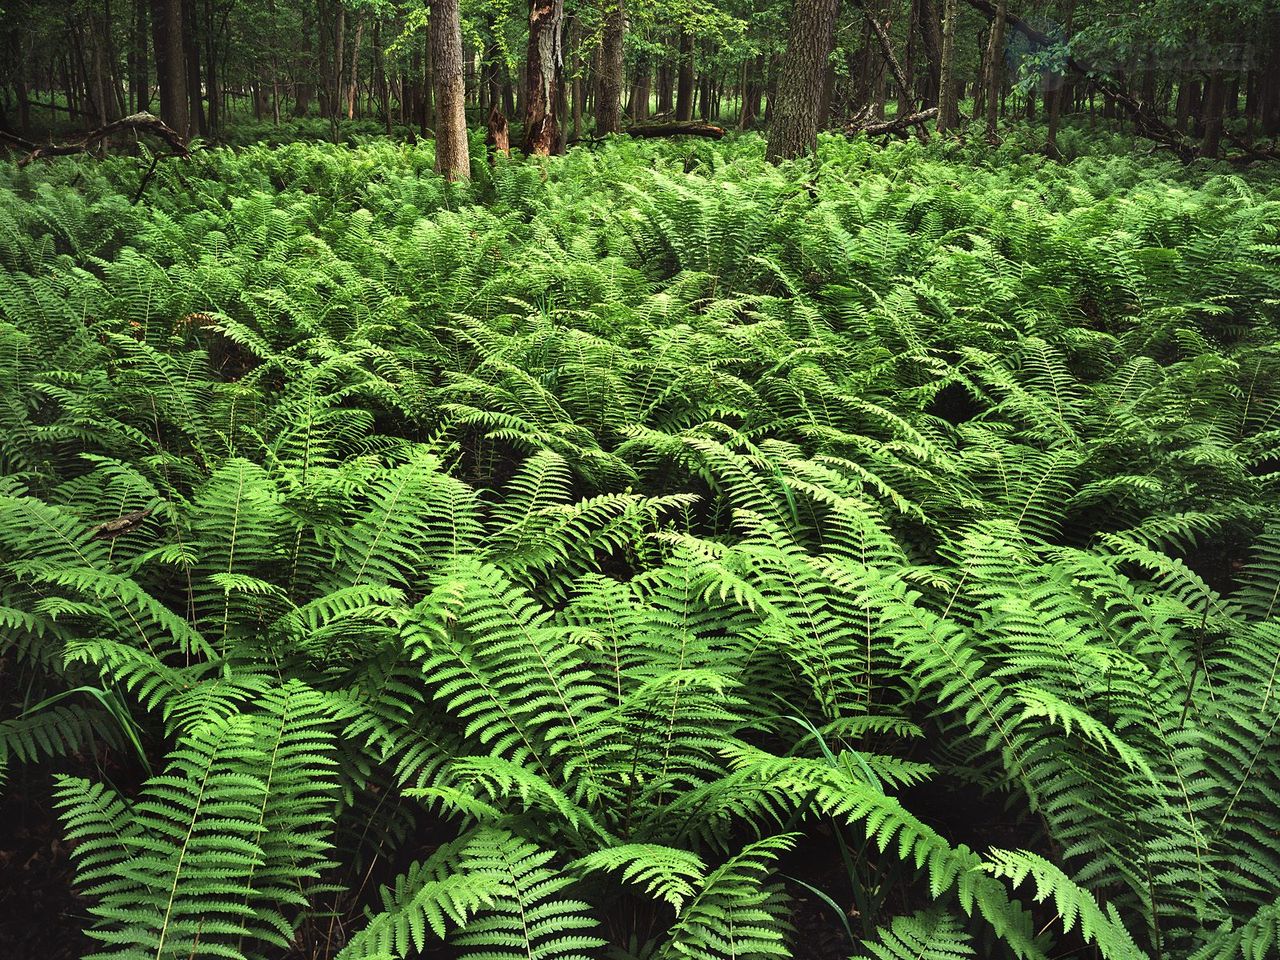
{"x": 602, "y": 558}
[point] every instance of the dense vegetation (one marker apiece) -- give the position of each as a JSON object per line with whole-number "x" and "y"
{"x": 647, "y": 553}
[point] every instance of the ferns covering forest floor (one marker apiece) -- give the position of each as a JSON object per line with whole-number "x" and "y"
{"x": 648, "y": 554}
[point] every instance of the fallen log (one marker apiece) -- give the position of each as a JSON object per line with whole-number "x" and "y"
{"x": 138, "y": 122}
{"x": 898, "y": 125}
{"x": 679, "y": 128}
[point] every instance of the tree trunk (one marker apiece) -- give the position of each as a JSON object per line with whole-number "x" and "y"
{"x": 542, "y": 135}
{"x": 684, "y": 78}
{"x": 608, "y": 109}
{"x": 213, "y": 91}
{"x": 906, "y": 95}
{"x": 948, "y": 108}
{"x": 171, "y": 67}
{"x": 1214, "y": 99}
{"x": 995, "y": 69}
{"x": 795, "y": 121}
{"x": 641, "y": 90}
{"x": 139, "y": 81}
{"x": 453, "y": 158}
{"x": 355, "y": 68}
{"x": 191, "y": 45}
{"x": 339, "y": 58}
{"x": 666, "y": 96}
{"x": 1061, "y": 92}
{"x": 931, "y": 40}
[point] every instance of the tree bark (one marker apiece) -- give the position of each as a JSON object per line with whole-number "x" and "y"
{"x": 995, "y": 68}
{"x": 139, "y": 81}
{"x": 1061, "y": 90}
{"x": 795, "y": 121}
{"x": 684, "y": 78}
{"x": 931, "y": 40}
{"x": 191, "y": 45}
{"x": 608, "y": 108}
{"x": 339, "y": 58}
{"x": 453, "y": 158}
{"x": 171, "y": 67}
{"x": 948, "y": 106}
{"x": 1214, "y": 98}
{"x": 353, "y": 82}
{"x": 542, "y": 135}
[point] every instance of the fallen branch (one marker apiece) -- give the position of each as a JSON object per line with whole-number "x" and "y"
{"x": 886, "y": 50}
{"x": 680, "y": 128}
{"x": 138, "y": 122}
{"x": 126, "y": 524}
{"x": 898, "y": 125}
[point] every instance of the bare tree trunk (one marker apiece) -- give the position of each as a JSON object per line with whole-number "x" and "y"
{"x": 608, "y": 109}
{"x": 1214, "y": 98}
{"x": 355, "y": 68}
{"x": 684, "y": 78}
{"x": 542, "y": 135}
{"x": 339, "y": 58}
{"x": 948, "y": 107}
{"x": 995, "y": 69}
{"x": 171, "y": 67}
{"x": 453, "y": 157}
{"x": 931, "y": 39}
{"x": 1061, "y": 90}
{"x": 139, "y": 81}
{"x": 191, "y": 43}
{"x": 795, "y": 121}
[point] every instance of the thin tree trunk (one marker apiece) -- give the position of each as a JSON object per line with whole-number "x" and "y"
{"x": 1061, "y": 91}
{"x": 995, "y": 69}
{"x": 795, "y": 121}
{"x": 191, "y": 43}
{"x": 352, "y": 84}
{"x": 339, "y": 59}
{"x": 948, "y": 106}
{"x": 1214, "y": 98}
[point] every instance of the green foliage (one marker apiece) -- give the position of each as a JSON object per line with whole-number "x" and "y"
{"x": 554, "y": 565}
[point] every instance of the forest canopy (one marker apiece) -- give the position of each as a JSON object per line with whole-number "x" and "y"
{"x": 620, "y": 480}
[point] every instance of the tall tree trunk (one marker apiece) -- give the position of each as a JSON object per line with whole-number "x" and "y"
{"x": 609, "y": 106}
{"x": 666, "y": 95}
{"x": 542, "y": 135}
{"x": 641, "y": 89}
{"x": 948, "y": 107}
{"x": 1062, "y": 91}
{"x": 380, "y": 80}
{"x": 453, "y": 157}
{"x": 353, "y": 82}
{"x": 684, "y": 78}
{"x": 795, "y": 121}
{"x": 1214, "y": 100}
{"x": 305, "y": 90}
{"x": 1268, "y": 95}
{"x": 191, "y": 44}
{"x": 339, "y": 59}
{"x": 171, "y": 66}
{"x": 211, "y": 68}
{"x": 139, "y": 81}
{"x": 906, "y": 93}
{"x": 995, "y": 68}
{"x": 931, "y": 40}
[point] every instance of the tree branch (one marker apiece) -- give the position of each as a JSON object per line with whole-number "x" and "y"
{"x": 141, "y": 122}
{"x": 898, "y": 125}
